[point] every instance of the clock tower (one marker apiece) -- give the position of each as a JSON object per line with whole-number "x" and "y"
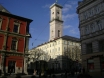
{"x": 56, "y": 23}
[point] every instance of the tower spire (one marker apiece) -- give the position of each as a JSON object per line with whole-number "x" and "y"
{"x": 56, "y": 1}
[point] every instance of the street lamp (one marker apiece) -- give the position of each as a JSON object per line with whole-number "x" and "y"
{"x": 39, "y": 69}
{"x": 56, "y": 62}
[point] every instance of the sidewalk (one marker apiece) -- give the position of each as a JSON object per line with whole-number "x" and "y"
{"x": 13, "y": 76}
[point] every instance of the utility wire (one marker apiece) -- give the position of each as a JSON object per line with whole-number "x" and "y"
{"x": 40, "y": 34}
{"x": 65, "y": 2}
{"x": 46, "y": 26}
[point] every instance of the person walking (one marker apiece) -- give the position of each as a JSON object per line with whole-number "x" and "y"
{"x": 83, "y": 70}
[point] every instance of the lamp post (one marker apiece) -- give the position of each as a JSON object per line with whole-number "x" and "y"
{"x": 39, "y": 69}
{"x": 3, "y": 62}
{"x": 56, "y": 64}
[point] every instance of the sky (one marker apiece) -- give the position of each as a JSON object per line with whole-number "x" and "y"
{"x": 39, "y": 12}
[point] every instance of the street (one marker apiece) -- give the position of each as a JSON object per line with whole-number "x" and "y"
{"x": 53, "y": 76}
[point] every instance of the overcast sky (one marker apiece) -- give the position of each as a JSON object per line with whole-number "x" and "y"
{"x": 39, "y": 12}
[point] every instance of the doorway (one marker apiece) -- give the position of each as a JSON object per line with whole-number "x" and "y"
{"x": 11, "y": 66}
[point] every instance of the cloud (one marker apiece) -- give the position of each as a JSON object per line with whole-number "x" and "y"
{"x": 74, "y": 31}
{"x": 46, "y": 6}
{"x": 73, "y": 2}
{"x": 69, "y": 16}
{"x": 67, "y": 26}
{"x": 66, "y": 8}
{"x": 32, "y": 30}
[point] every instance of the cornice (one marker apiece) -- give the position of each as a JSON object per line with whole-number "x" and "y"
{"x": 83, "y": 4}
{"x": 90, "y": 19}
{"x": 11, "y": 52}
{"x": 56, "y": 20}
{"x": 12, "y": 33}
{"x": 92, "y": 35}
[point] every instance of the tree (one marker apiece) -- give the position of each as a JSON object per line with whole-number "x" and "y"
{"x": 37, "y": 57}
{"x": 74, "y": 54}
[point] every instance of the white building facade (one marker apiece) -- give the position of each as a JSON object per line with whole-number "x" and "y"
{"x": 61, "y": 51}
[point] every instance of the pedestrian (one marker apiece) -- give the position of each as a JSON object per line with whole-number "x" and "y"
{"x": 0, "y": 72}
{"x": 18, "y": 70}
{"x": 34, "y": 72}
{"x": 83, "y": 70}
{"x": 79, "y": 69}
{"x": 33, "y": 76}
{"x": 4, "y": 77}
{"x": 84, "y": 76}
{"x": 53, "y": 76}
{"x": 65, "y": 73}
{"x": 18, "y": 76}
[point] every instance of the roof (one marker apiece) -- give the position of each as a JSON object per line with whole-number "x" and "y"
{"x": 66, "y": 37}
{"x": 3, "y": 9}
{"x": 15, "y": 16}
{"x": 55, "y": 4}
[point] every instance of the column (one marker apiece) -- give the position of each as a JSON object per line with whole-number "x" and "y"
{"x": 25, "y": 65}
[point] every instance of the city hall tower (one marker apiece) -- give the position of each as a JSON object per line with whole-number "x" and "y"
{"x": 56, "y": 22}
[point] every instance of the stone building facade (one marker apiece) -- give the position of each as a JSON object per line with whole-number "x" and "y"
{"x": 91, "y": 25}
{"x": 14, "y": 39}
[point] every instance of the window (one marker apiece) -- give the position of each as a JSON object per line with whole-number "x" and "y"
{"x": 92, "y": 12}
{"x": 97, "y": 9}
{"x": 89, "y": 48}
{"x": 85, "y": 15}
{"x": 58, "y": 33}
{"x": 0, "y": 22}
{"x": 99, "y": 24}
{"x": 101, "y": 45}
{"x": 58, "y": 13}
{"x": 16, "y": 28}
{"x": 59, "y": 49}
{"x": 72, "y": 43}
{"x": 90, "y": 65}
{"x": 87, "y": 29}
{"x": 56, "y": 49}
{"x": 50, "y": 51}
{"x": 89, "y": 13}
{"x": 102, "y": 63}
{"x": 58, "y": 42}
{"x": 53, "y": 44}
{"x": 92, "y": 28}
{"x": 14, "y": 44}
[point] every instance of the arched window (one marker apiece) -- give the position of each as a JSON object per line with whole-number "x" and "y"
{"x": 58, "y": 33}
